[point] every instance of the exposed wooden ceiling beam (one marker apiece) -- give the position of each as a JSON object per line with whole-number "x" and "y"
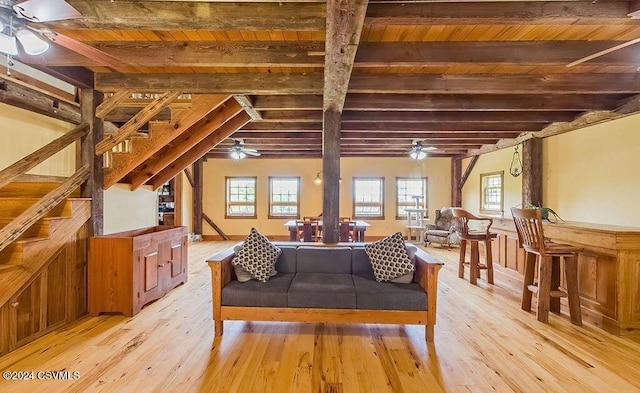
{"x": 254, "y": 83}
{"x": 399, "y": 127}
{"x": 15, "y": 94}
{"x": 496, "y": 84}
{"x": 501, "y": 13}
{"x": 443, "y": 102}
{"x": 311, "y": 54}
{"x": 247, "y": 105}
{"x": 311, "y": 83}
{"x": 417, "y": 54}
{"x": 429, "y": 117}
{"x": 153, "y": 15}
{"x": 344, "y": 26}
{"x": 346, "y": 135}
{"x": 96, "y": 55}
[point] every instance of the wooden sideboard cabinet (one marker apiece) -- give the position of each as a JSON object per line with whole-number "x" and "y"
{"x": 128, "y": 270}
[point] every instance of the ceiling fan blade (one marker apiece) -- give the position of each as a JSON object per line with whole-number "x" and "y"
{"x": 603, "y": 52}
{"x": 429, "y": 148}
{"x": 45, "y": 10}
{"x": 250, "y": 150}
{"x": 252, "y": 153}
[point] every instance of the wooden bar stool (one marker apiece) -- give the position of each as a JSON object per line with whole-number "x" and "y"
{"x": 474, "y": 236}
{"x": 548, "y": 255}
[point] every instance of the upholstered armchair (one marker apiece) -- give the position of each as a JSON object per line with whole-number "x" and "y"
{"x": 443, "y": 231}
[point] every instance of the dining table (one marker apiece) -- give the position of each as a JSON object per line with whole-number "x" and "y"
{"x": 360, "y": 228}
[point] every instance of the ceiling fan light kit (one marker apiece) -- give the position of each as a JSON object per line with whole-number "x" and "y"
{"x": 30, "y": 39}
{"x": 238, "y": 151}
{"x": 419, "y": 152}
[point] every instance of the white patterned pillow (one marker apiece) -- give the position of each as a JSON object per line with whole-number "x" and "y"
{"x": 242, "y": 274}
{"x": 257, "y": 255}
{"x": 389, "y": 257}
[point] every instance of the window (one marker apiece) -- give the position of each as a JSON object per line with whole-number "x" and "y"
{"x": 491, "y": 192}
{"x": 284, "y": 197}
{"x": 368, "y": 197}
{"x": 406, "y": 189}
{"x": 241, "y": 197}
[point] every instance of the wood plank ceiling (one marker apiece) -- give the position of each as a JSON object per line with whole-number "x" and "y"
{"x": 458, "y": 75}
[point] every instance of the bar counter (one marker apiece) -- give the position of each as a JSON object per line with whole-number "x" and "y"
{"x": 608, "y": 268}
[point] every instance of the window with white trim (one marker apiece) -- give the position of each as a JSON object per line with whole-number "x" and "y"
{"x": 406, "y": 190}
{"x": 491, "y": 192}
{"x": 284, "y": 197}
{"x": 368, "y": 197}
{"x": 241, "y": 197}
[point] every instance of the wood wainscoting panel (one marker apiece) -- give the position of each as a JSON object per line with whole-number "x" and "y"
{"x": 56, "y": 287}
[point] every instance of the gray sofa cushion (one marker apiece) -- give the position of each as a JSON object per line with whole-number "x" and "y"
{"x": 324, "y": 260}
{"x": 360, "y": 263}
{"x": 272, "y": 293}
{"x": 373, "y": 295}
{"x": 322, "y": 290}
{"x": 287, "y": 261}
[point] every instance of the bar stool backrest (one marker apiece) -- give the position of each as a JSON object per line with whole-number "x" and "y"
{"x": 529, "y": 227}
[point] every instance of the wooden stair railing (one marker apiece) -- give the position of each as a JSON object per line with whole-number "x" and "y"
{"x": 26, "y": 219}
{"x": 8, "y": 174}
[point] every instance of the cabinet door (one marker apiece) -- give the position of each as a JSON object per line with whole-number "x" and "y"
{"x": 179, "y": 261}
{"x": 149, "y": 274}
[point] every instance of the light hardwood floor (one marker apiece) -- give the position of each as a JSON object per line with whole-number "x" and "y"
{"x": 483, "y": 342}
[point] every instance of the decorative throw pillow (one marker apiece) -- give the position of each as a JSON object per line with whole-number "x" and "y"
{"x": 257, "y": 255}
{"x": 242, "y": 274}
{"x": 389, "y": 257}
{"x": 407, "y": 278}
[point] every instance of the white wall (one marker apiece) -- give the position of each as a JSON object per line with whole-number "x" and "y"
{"x": 24, "y": 132}
{"x": 125, "y": 209}
{"x": 591, "y": 175}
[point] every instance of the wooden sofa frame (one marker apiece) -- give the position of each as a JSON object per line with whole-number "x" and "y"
{"x": 426, "y": 275}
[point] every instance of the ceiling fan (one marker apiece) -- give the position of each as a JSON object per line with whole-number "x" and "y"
{"x": 419, "y": 152}
{"x": 14, "y": 29}
{"x": 238, "y": 151}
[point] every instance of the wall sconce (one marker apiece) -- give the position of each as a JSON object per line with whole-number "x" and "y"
{"x": 318, "y": 179}
{"x": 516, "y": 164}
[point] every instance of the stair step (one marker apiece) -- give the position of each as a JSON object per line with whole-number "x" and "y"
{"x": 13, "y": 207}
{"x": 27, "y": 187}
{"x": 12, "y": 254}
{"x": 39, "y": 229}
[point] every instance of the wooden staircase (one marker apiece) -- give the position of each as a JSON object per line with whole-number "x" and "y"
{"x": 46, "y": 261}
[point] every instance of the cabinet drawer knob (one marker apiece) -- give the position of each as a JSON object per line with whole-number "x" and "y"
{"x": 15, "y": 304}
{"x": 161, "y": 265}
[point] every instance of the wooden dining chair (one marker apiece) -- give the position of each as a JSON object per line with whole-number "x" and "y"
{"x": 347, "y": 231}
{"x": 548, "y": 256}
{"x": 475, "y": 236}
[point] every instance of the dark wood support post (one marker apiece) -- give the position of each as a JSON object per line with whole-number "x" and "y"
{"x": 331, "y": 176}
{"x": 456, "y": 185}
{"x": 92, "y": 188}
{"x": 198, "y": 168}
{"x": 532, "y": 172}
